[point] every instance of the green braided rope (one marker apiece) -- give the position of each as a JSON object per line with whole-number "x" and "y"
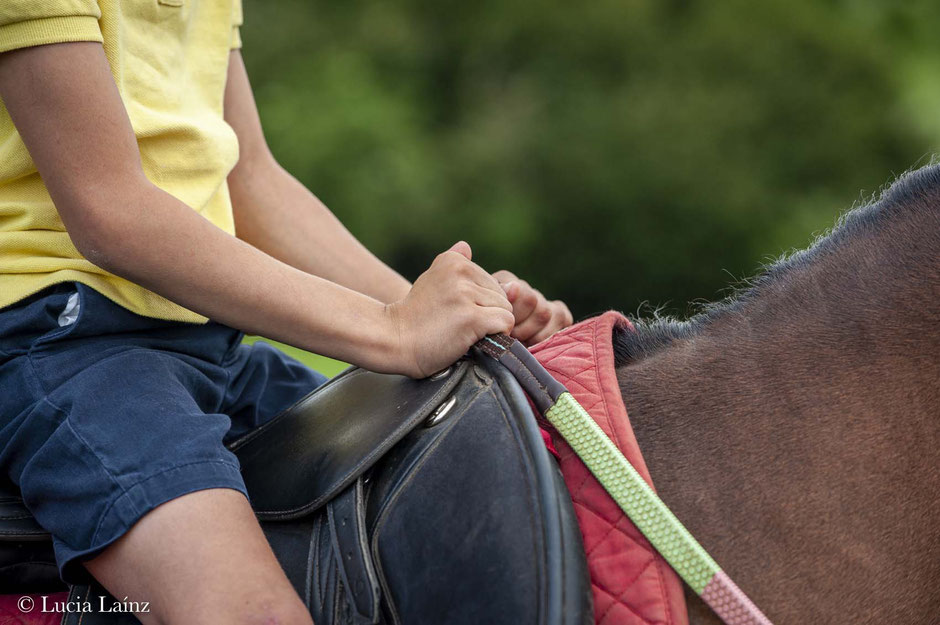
{"x": 632, "y": 493}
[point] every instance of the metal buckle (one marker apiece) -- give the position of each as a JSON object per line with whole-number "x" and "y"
{"x": 440, "y": 413}
{"x": 440, "y": 375}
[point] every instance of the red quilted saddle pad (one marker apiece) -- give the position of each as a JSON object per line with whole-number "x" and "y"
{"x": 631, "y": 583}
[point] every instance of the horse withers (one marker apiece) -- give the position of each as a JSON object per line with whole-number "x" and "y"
{"x": 795, "y": 427}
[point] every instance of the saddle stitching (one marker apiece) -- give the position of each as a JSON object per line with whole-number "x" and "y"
{"x": 313, "y": 570}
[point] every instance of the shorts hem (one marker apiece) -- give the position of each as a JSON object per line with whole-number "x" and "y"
{"x": 141, "y": 498}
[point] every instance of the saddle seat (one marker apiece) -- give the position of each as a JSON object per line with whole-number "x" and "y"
{"x": 390, "y": 500}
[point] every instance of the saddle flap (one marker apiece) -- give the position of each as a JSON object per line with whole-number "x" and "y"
{"x": 16, "y": 522}
{"x": 306, "y": 455}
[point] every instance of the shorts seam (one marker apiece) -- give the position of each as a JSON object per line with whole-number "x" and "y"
{"x": 38, "y": 387}
{"x": 140, "y": 483}
{"x": 108, "y": 471}
{"x": 78, "y": 437}
{"x": 66, "y": 422}
{"x": 227, "y": 370}
{"x": 232, "y": 354}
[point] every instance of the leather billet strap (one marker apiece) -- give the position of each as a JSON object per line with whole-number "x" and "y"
{"x": 635, "y": 497}
{"x": 347, "y": 521}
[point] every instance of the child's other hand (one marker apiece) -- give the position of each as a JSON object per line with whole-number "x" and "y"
{"x": 536, "y": 318}
{"x": 450, "y": 307}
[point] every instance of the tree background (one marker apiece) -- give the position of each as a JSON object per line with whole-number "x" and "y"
{"x": 615, "y": 153}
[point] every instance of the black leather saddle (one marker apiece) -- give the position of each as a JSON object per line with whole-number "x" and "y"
{"x": 394, "y": 501}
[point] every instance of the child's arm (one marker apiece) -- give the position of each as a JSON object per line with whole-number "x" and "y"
{"x": 66, "y": 107}
{"x": 277, "y": 214}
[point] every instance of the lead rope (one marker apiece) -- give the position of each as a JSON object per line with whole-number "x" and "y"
{"x": 618, "y": 477}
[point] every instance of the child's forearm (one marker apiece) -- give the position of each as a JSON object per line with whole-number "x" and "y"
{"x": 165, "y": 246}
{"x": 277, "y": 214}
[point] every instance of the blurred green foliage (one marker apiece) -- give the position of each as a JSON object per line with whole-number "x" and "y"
{"x": 612, "y": 152}
{"x": 326, "y": 366}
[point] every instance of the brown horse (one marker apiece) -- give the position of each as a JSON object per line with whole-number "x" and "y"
{"x": 795, "y": 427}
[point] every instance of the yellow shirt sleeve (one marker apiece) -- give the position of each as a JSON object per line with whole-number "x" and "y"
{"x": 237, "y": 21}
{"x": 25, "y": 23}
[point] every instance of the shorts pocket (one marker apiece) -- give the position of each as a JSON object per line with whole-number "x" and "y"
{"x": 34, "y": 319}
{"x": 66, "y": 311}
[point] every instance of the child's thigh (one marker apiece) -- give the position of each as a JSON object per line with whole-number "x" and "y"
{"x": 123, "y": 436}
{"x": 263, "y": 382}
{"x": 200, "y": 558}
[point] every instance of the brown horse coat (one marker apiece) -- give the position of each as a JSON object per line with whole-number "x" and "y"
{"x": 795, "y": 427}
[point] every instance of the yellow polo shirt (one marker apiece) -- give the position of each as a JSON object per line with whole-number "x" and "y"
{"x": 169, "y": 59}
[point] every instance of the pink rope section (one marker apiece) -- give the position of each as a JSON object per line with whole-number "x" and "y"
{"x": 730, "y": 603}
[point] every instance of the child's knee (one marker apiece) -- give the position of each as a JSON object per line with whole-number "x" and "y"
{"x": 261, "y": 608}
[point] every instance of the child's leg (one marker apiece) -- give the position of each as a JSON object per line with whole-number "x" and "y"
{"x": 112, "y": 425}
{"x": 200, "y": 558}
{"x": 113, "y": 428}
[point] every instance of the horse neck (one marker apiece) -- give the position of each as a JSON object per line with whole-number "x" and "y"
{"x": 801, "y": 450}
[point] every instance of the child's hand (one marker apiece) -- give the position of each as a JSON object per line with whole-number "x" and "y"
{"x": 451, "y": 306}
{"x": 536, "y": 318}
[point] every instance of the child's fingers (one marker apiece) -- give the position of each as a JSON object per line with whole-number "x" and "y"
{"x": 560, "y": 318}
{"x": 496, "y": 321}
{"x": 483, "y": 279}
{"x": 525, "y": 300}
{"x": 456, "y": 264}
{"x": 566, "y": 317}
{"x": 533, "y": 324}
{"x": 491, "y": 299}
{"x": 503, "y": 277}
{"x": 462, "y": 248}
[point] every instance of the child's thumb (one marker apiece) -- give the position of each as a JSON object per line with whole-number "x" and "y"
{"x": 463, "y": 248}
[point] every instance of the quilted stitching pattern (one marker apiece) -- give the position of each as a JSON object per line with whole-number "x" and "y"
{"x": 631, "y": 583}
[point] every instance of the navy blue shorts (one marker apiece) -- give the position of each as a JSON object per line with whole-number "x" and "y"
{"x": 105, "y": 414}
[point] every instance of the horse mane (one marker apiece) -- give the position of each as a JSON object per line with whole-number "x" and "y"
{"x": 915, "y": 194}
